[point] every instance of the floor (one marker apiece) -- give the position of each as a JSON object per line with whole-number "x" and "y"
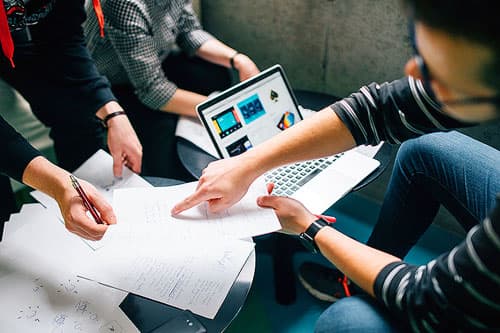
{"x": 355, "y": 217}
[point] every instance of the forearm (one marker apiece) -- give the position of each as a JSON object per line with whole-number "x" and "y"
{"x": 216, "y": 52}
{"x": 322, "y": 135}
{"x": 359, "y": 262}
{"x": 45, "y": 176}
{"x": 183, "y": 103}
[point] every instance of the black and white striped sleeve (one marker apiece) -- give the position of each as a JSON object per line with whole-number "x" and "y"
{"x": 392, "y": 112}
{"x": 457, "y": 292}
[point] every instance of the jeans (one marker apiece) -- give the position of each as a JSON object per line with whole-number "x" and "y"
{"x": 449, "y": 168}
{"x": 356, "y": 314}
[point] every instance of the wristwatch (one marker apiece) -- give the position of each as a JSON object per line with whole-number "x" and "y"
{"x": 307, "y": 237}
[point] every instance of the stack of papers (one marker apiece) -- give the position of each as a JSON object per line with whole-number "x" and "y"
{"x": 53, "y": 279}
{"x": 40, "y": 289}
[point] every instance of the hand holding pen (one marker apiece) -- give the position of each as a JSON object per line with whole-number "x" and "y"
{"x": 86, "y": 201}
{"x": 75, "y": 206}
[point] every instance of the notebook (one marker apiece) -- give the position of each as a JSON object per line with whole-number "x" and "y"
{"x": 251, "y": 112}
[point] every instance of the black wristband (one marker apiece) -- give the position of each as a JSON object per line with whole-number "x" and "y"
{"x": 104, "y": 122}
{"x": 231, "y": 60}
{"x": 307, "y": 237}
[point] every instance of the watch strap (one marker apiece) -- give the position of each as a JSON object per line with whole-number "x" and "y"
{"x": 308, "y": 235}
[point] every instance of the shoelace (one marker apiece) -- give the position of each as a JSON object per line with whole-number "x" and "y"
{"x": 345, "y": 284}
{"x": 6, "y": 38}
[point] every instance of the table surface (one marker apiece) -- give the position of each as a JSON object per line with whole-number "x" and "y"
{"x": 147, "y": 314}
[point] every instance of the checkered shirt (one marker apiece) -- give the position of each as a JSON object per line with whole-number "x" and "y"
{"x": 139, "y": 35}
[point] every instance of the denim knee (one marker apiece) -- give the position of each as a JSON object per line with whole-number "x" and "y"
{"x": 356, "y": 314}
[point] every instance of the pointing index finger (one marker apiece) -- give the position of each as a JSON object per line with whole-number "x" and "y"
{"x": 194, "y": 199}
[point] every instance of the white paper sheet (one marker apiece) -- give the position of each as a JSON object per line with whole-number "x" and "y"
{"x": 97, "y": 170}
{"x": 153, "y": 205}
{"x": 192, "y": 130}
{"x": 66, "y": 304}
{"x": 194, "y": 275}
{"x": 45, "y": 238}
{"x": 40, "y": 291}
{"x": 16, "y": 221}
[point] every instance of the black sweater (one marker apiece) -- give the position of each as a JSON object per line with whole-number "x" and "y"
{"x": 57, "y": 54}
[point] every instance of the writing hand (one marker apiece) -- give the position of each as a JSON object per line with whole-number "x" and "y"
{"x": 75, "y": 215}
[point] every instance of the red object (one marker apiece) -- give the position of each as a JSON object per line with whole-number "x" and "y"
{"x": 86, "y": 200}
{"x": 345, "y": 284}
{"x": 5, "y": 37}
{"x": 99, "y": 14}
{"x": 329, "y": 219}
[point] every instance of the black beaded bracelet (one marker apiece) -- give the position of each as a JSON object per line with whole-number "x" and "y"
{"x": 104, "y": 122}
{"x": 231, "y": 60}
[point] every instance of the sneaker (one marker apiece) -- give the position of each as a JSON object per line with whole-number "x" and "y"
{"x": 324, "y": 283}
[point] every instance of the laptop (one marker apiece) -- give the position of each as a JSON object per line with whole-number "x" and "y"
{"x": 253, "y": 111}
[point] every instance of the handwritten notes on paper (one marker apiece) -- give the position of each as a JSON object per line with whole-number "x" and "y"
{"x": 40, "y": 289}
{"x": 195, "y": 276}
{"x": 69, "y": 304}
{"x": 153, "y": 205}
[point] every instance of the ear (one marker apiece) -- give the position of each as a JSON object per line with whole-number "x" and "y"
{"x": 439, "y": 90}
{"x": 411, "y": 69}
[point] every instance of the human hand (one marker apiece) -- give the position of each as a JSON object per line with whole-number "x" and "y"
{"x": 293, "y": 216}
{"x": 245, "y": 66}
{"x": 75, "y": 215}
{"x": 222, "y": 184}
{"x": 124, "y": 145}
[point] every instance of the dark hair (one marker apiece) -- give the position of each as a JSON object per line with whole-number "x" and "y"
{"x": 476, "y": 21}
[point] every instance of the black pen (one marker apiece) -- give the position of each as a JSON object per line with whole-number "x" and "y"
{"x": 85, "y": 199}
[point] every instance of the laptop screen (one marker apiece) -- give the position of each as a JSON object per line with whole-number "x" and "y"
{"x": 249, "y": 113}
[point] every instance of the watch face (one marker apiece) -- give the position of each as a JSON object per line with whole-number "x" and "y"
{"x": 307, "y": 242}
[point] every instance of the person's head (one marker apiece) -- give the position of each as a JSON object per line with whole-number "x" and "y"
{"x": 459, "y": 43}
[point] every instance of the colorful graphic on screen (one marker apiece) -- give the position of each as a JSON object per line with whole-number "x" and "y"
{"x": 226, "y": 122}
{"x": 239, "y": 146}
{"x": 251, "y": 108}
{"x": 286, "y": 121}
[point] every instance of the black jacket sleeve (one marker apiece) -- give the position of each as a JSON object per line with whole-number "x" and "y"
{"x": 62, "y": 55}
{"x": 16, "y": 152}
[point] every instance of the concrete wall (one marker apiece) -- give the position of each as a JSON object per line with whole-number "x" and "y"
{"x": 326, "y": 46}
{"x": 331, "y": 46}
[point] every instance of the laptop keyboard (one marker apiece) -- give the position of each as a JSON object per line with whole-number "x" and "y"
{"x": 289, "y": 178}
